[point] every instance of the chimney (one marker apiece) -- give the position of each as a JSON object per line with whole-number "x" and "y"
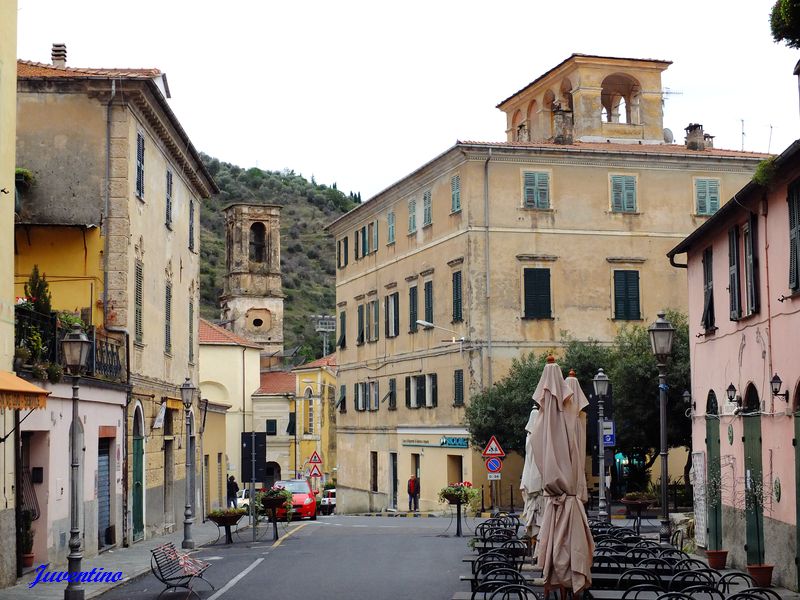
{"x": 708, "y": 140}
{"x": 562, "y": 126}
{"x": 694, "y": 137}
{"x": 59, "y": 55}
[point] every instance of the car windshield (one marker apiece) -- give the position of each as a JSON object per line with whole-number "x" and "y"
{"x": 296, "y": 487}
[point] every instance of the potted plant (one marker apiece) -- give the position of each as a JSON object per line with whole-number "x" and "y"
{"x": 26, "y": 539}
{"x": 276, "y": 497}
{"x": 21, "y": 357}
{"x": 461, "y": 492}
{"x": 39, "y": 372}
{"x": 225, "y": 517}
{"x": 754, "y": 497}
{"x": 23, "y": 179}
{"x": 54, "y": 372}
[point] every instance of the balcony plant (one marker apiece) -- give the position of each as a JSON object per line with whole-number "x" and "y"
{"x": 54, "y": 372}
{"x": 461, "y": 492}
{"x": 21, "y": 357}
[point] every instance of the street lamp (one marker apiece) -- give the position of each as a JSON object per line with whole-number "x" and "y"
{"x": 428, "y": 325}
{"x": 75, "y": 348}
{"x": 600, "y": 383}
{"x": 187, "y": 396}
{"x": 661, "y": 334}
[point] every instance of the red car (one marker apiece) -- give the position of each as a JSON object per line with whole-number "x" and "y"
{"x": 304, "y": 501}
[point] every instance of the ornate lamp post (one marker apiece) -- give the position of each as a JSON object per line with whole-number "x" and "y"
{"x": 75, "y": 348}
{"x": 661, "y": 335}
{"x": 187, "y": 395}
{"x": 600, "y": 383}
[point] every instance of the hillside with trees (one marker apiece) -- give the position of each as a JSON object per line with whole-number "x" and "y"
{"x": 308, "y": 256}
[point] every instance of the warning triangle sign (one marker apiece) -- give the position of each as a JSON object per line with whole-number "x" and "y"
{"x": 315, "y": 459}
{"x": 314, "y": 471}
{"x": 493, "y": 448}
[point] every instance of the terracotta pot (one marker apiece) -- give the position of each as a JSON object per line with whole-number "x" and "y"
{"x": 717, "y": 559}
{"x": 27, "y": 560}
{"x": 762, "y": 574}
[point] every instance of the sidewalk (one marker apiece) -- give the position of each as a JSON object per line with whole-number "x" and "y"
{"x": 132, "y": 561}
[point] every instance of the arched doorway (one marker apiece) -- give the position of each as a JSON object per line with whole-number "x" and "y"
{"x": 713, "y": 474}
{"x": 273, "y": 473}
{"x": 753, "y": 481}
{"x": 138, "y": 474}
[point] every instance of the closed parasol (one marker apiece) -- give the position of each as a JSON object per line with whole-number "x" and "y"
{"x": 531, "y": 483}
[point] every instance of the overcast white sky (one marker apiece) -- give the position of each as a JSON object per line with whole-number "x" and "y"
{"x": 362, "y": 93}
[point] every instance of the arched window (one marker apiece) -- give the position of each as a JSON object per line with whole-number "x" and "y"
{"x": 711, "y": 404}
{"x": 258, "y": 243}
{"x": 752, "y": 404}
{"x": 309, "y": 411}
{"x": 619, "y": 98}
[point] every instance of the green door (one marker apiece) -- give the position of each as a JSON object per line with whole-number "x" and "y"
{"x": 797, "y": 487}
{"x": 713, "y": 476}
{"x": 138, "y": 488}
{"x": 754, "y": 512}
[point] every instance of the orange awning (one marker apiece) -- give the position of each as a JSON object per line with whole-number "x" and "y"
{"x": 16, "y": 393}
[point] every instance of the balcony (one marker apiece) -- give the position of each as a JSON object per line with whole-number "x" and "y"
{"x": 41, "y": 335}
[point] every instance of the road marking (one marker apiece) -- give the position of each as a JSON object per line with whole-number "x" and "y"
{"x": 235, "y": 580}
{"x": 212, "y": 558}
{"x": 279, "y": 541}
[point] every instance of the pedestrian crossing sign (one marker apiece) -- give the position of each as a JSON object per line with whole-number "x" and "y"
{"x": 493, "y": 448}
{"x": 315, "y": 459}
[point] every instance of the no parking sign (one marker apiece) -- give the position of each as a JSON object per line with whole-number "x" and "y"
{"x": 494, "y": 465}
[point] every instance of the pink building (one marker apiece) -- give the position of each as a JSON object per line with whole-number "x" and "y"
{"x": 744, "y": 318}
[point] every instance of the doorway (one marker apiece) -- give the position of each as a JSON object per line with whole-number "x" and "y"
{"x": 713, "y": 474}
{"x": 104, "y": 535}
{"x": 138, "y": 475}
{"x": 273, "y": 473}
{"x": 393, "y": 480}
{"x": 455, "y": 468}
{"x": 754, "y": 510}
{"x": 169, "y": 472}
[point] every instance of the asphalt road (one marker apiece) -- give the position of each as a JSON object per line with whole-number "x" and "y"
{"x": 333, "y": 558}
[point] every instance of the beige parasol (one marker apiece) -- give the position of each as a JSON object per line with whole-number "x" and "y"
{"x": 531, "y": 483}
{"x": 565, "y": 547}
{"x": 580, "y": 403}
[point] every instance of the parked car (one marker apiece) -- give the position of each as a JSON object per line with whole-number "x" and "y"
{"x": 328, "y": 502}
{"x": 304, "y": 501}
{"x": 243, "y": 498}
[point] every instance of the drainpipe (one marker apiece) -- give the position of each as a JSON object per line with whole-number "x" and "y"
{"x": 107, "y": 199}
{"x": 486, "y": 256}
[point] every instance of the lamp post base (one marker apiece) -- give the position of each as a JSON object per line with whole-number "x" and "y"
{"x": 664, "y": 531}
{"x": 74, "y": 594}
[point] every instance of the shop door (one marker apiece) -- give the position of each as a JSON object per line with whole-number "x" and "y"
{"x": 393, "y": 483}
{"x": 103, "y": 492}
{"x": 138, "y": 488}
{"x": 713, "y": 476}
{"x": 754, "y": 513}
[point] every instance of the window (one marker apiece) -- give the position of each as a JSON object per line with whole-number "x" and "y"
{"x": 168, "y": 318}
{"x": 138, "y": 301}
{"x": 374, "y": 395}
{"x": 421, "y": 390}
{"x": 708, "y": 290}
{"x": 429, "y": 301}
{"x": 364, "y": 241}
{"x": 455, "y": 193}
{"x": 623, "y": 193}
{"x": 357, "y": 397}
{"x": 392, "y": 315}
{"x": 431, "y": 396}
{"x": 536, "y": 296}
{"x": 168, "y": 217}
{"x": 373, "y": 471}
{"x": 706, "y": 194}
{"x": 342, "y": 252}
{"x": 191, "y": 330}
{"x": 258, "y": 243}
{"x": 390, "y": 227}
{"x": 392, "y": 394}
{"x": 341, "y": 403}
{"x": 794, "y": 236}
{"x": 427, "y": 209}
{"x": 458, "y": 387}
{"x": 412, "y": 309}
{"x": 412, "y": 216}
{"x": 140, "y": 165}
{"x": 272, "y": 427}
{"x": 356, "y": 243}
{"x": 733, "y": 274}
{"x": 342, "y": 341}
{"x": 373, "y": 320}
{"x": 191, "y": 225}
{"x": 309, "y": 413}
{"x": 457, "y": 297}
{"x": 750, "y": 242}
{"x": 626, "y": 295}
{"x": 360, "y": 338}
{"x": 374, "y": 236}
{"x": 291, "y": 427}
{"x": 537, "y": 189}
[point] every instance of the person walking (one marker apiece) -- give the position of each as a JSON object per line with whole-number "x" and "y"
{"x": 413, "y": 494}
{"x": 233, "y": 488}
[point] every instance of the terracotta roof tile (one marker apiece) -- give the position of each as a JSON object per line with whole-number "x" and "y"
{"x": 277, "y": 382}
{"x": 33, "y": 70}
{"x": 214, "y": 334}
{"x": 325, "y": 361}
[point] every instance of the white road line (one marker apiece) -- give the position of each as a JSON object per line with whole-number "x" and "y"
{"x": 235, "y": 580}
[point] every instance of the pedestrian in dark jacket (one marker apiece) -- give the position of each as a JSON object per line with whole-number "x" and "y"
{"x": 233, "y": 488}
{"x": 413, "y": 494}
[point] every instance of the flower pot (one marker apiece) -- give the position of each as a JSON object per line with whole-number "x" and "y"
{"x": 27, "y": 560}
{"x": 453, "y": 498}
{"x": 717, "y": 559}
{"x": 762, "y": 574}
{"x": 269, "y": 503}
{"x": 225, "y": 520}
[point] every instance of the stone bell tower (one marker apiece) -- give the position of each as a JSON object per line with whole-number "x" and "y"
{"x": 252, "y": 298}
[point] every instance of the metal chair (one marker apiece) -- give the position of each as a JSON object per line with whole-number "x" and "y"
{"x": 737, "y": 577}
{"x": 495, "y": 556}
{"x": 504, "y": 574}
{"x": 489, "y": 585}
{"x": 638, "y": 553}
{"x": 514, "y": 591}
{"x": 676, "y": 539}
{"x": 673, "y": 554}
{"x": 690, "y": 564}
{"x": 650, "y": 591}
{"x": 659, "y": 565}
{"x": 703, "y": 592}
{"x": 683, "y": 579}
{"x": 674, "y": 596}
{"x": 607, "y": 562}
{"x": 637, "y": 576}
{"x": 764, "y": 593}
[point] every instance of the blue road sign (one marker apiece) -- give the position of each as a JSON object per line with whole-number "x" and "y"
{"x": 609, "y": 434}
{"x": 494, "y": 465}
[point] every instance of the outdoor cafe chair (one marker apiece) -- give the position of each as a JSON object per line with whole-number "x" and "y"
{"x": 713, "y": 573}
{"x": 745, "y": 596}
{"x": 495, "y": 556}
{"x": 514, "y": 591}
{"x": 659, "y": 565}
{"x": 606, "y": 562}
{"x": 500, "y": 535}
{"x": 736, "y": 577}
{"x": 690, "y": 564}
{"x": 674, "y": 596}
{"x": 636, "y": 553}
{"x": 631, "y": 539}
{"x": 703, "y": 591}
{"x": 504, "y": 574}
{"x": 648, "y": 544}
{"x": 763, "y": 593}
{"x": 484, "y": 568}
{"x": 606, "y": 551}
{"x": 484, "y": 587}
{"x": 637, "y": 576}
{"x": 649, "y": 591}
{"x": 676, "y": 539}
{"x": 672, "y": 554}
{"x": 682, "y": 579}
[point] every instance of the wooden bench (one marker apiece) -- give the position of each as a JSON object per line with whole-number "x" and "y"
{"x": 176, "y": 569}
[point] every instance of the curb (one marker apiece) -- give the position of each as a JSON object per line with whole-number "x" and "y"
{"x": 397, "y": 515}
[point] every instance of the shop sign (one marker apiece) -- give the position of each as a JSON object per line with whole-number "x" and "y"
{"x": 454, "y": 442}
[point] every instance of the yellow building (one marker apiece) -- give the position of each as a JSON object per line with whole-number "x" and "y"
{"x": 113, "y": 220}
{"x": 215, "y": 469}
{"x": 314, "y": 405}
{"x": 493, "y": 249}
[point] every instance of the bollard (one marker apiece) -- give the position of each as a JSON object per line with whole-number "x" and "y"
{"x": 483, "y": 506}
{"x": 511, "y": 495}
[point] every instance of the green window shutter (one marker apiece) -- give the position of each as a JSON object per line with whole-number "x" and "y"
{"x": 376, "y": 319}
{"x": 392, "y": 394}
{"x": 617, "y": 193}
{"x": 168, "y": 318}
{"x": 632, "y": 294}
{"x": 713, "y": 196}
{"x": 542, "y": 190}
{"x": 375, "y": 236}
{"x": 356, "y": 401}
{"x": 346, "y": 250}
{"x": 701, "y": 194}
{"x": 751, "y": 265}
{"x": 434, "y": 390}
{"x": 630, "y": 194}
{"x": 390, "y": 227}
{"x": 626, "y": 295}
{"x": 168, "y": 216}
{"x": 455, "y": 193}
{"x": 412, "y": 216}
{"x": 429, "y": 301}
{"x": 733, "y": 274}
{"x": 364, "y": 241}
{"x": 396, "y": 313}
{"x": 386, "y": 316}
{"x": 339, "y": 253}
{"x": 619, "y": 295}
{"x": 422, "y": 399}
{"x": 408, "y": 392}
{"x": 529, "y": 184}
{"x": 140, "y": 165}
{"x": 342, "y": 341}
{"x": 138, "y": 301}
{"x": 708, "y": 300}
{"x": 360, "y": 339}
{"x": 536, "y": 283}
{"x": 794, "y": 236}
{"x": 412, "y": 309}
{"x": 191, "y": 330}
{"x": 427, "y": 208}
{"x": 191, "y": 224}
{"x": 458, "y": 387}
{"x": 457, "y": 296}
{"x": 343, "y": 398}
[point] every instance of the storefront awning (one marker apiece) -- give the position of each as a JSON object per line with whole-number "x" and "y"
{"x": 16, "y": 393}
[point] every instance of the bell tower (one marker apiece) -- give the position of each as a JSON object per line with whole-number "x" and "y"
{"x": 252, "y": 298}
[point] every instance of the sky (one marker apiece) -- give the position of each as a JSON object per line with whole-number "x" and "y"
{"x": 362, "y": 93}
